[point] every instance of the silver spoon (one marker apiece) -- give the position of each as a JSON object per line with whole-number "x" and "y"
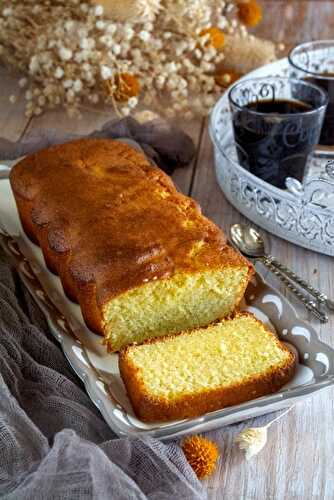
{"x": 250, "y": 243}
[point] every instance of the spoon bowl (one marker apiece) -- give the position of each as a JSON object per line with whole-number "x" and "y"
{"x": 248, "y": 240}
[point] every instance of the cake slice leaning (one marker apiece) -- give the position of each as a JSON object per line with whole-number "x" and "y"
{"x": 228, "y": 362}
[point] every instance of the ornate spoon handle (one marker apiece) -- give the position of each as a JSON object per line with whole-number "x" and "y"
{"x": 321, "y": 297}
{"x": 293, "y": 276}
{"x": 309, "y": 304}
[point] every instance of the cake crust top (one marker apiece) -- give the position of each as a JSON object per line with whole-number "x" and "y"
{"x": 119, "y": 218}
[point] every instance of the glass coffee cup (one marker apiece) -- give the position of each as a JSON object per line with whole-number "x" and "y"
{"x": 276, "y": 123}
{"x": 314, "y": 62}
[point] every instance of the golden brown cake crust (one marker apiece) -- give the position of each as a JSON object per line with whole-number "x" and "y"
{"x": 150, "y": 409}
{"x": 108, "y": 221}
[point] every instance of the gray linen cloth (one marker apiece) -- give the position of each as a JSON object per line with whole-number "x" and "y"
{"x": 54, "y": 444}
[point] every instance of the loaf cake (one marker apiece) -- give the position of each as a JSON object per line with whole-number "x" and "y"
{"x": 186, "y": 375}
{"x": 138, "y": 256}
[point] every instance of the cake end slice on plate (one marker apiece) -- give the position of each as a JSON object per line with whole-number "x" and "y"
{"x": 227, "y": 363}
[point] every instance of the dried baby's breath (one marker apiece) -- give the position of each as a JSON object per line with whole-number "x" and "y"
{"x": 73, "y": 51}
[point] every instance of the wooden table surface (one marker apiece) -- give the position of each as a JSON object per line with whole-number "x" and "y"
{"x": 298, "y": 461}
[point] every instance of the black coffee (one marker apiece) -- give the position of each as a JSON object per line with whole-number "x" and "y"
{"x": 275, "y": 142}
{"x": 326, "y": 83}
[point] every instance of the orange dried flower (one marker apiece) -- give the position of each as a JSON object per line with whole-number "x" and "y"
{"x": 201, "y": 454}
{"x": 226, "y": 77}
{"x": 127, "y": 86}
{"x": 217, "y": 38}
{"x": 250, "y": 13}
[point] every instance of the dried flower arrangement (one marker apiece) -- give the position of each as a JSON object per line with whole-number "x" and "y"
{"x": 170, "y": 55}
{"x": 202, "y": 454}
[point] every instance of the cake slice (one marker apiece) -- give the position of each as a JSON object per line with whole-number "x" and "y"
{"x": 226, "y": 363}
{"x": 137, "y": 255}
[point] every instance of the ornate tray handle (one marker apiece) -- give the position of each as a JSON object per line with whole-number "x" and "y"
{"x": 318, "y": 191}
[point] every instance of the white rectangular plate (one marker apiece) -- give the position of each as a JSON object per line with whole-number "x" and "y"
{"x": 99, "y": 370}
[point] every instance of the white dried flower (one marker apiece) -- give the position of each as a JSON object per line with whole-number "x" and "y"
{"x": 183, "y": 83}
{"x": 222, "y": 23}
{"x": 70, "y": 95}
{"x": 98, "y": 11}
{"x": 106, "y": 72}
{"x": 41, "y": 101}
{"x": 69, "y": 25}
{"x": 160, "y": 81}
{"x": 100, "y": 25}
{"x": 129, "y": 32}
{"x": 65, "y": 54}
{"x": 84, "y": 43}
{"x": 149, "y": 26}
{"x": 125, "y": 111}
{"x": 23, "y": 82}
{"x": 36, "y": 9}
{"x": 229, "y": 7}
{"x": 191, "y": 45}
{"x": 132, "y": 102}
{"x": 7, "y": 12}
{"x": 34, "y": 65}
{"x": 144, "y": 35}
{"x": 67, "y": 83}
{"x": 88, "y": 76}
{"x": 252, "y": 440}
{"x": 125, "y": 47}
{"x": 82, "y": 32}
{"x": 106, "y": 40}
{"x": 59, "y": 73}
{"x": 116, "y": 49}
{"x": 111, "y": 29}
{"x": 145, "y": 115}
{"x": 171, "y": 67}
{"x": 13, "y": 99}
{"x": 87, "y": 43}
{"x": 77, "y": 85}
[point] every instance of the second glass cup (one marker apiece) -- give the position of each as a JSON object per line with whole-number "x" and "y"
{"x": 277, "y": 123}
{"x": 314, "y": 62}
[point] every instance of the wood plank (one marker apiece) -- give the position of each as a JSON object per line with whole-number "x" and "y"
{"x": 296, "y": 21}
{"x": 12, "y": 118}
{"x": 183, "y": 177}
{"x": 58, "y": 123}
